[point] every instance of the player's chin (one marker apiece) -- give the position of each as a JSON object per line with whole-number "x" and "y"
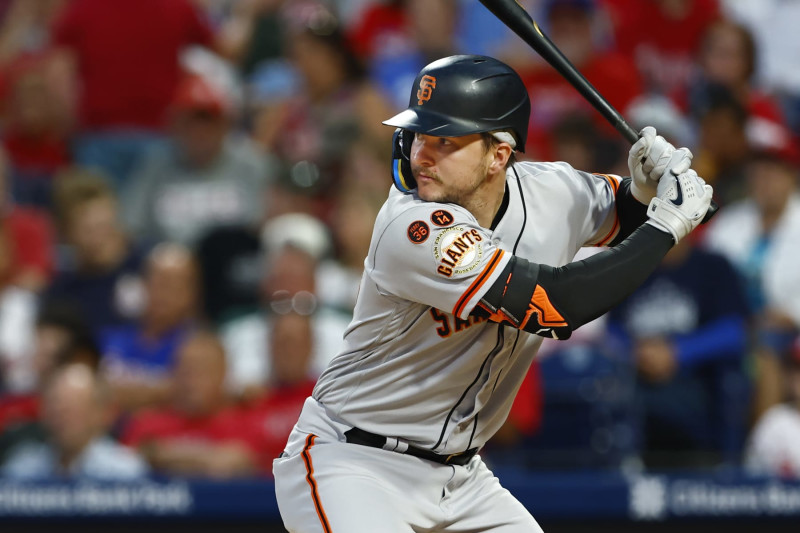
{"x": 430, "y": 191}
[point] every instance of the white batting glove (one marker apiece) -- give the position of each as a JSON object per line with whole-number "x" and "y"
{"x": 681, "y": 203}
{"x": 650, "y": 158}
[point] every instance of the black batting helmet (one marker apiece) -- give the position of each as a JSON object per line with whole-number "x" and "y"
{"x": 461, "y": 95}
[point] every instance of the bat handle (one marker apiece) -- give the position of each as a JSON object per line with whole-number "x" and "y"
{"x": 712, "y": 210}
{"x": 632, "y": 136}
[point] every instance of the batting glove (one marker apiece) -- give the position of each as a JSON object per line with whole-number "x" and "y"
{"x": 681, "y": 203}
{"x": 649, "y": 159}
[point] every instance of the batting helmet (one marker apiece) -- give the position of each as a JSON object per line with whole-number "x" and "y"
{"x": 456, "y": 96}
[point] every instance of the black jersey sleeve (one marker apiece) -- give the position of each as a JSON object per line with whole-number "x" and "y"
{"x": 554, "y": 301}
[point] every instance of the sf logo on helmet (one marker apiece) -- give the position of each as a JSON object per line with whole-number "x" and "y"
{"x": 426, "y": 86}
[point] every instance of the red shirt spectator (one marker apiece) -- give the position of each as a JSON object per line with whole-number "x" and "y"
{"x": 127, "y": 56}
{"x": 663, "y": 36}
{"x": 273, "y": 417}
{"x": 526, "y": 411}
{"x": 382, "y": 28}
{"x": 171, "y": 425}
{"x": 18, "y": 409}
{"x": 31, "y": 155}
{"x": 553, "y": 98}
{"x": 200, "y": 434}
{"x": 28, "y": 237}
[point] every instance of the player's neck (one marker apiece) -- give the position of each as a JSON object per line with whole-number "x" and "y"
{"x": 485, "y": 202}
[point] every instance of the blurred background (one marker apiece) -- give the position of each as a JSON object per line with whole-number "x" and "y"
{"x": 187, "y": 193}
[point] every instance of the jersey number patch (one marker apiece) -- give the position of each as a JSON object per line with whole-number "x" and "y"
{"x": 418, "y": 232}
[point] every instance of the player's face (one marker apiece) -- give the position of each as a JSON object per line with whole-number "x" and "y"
{"x": 449, "y": 169}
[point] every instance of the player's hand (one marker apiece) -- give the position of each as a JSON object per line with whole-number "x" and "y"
{"x": 655, "y": 359}
{"x": 680, "y": 204}
{"x": 649, "y": 159}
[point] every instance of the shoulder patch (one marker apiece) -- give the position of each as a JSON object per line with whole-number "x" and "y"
{"x": 442, "y": 218}
{"x": 418, "y": 231}
{"x": 457, "y": 250}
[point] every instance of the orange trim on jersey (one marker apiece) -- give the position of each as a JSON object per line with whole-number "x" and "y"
{"x": 611, "y": 234}
{"x": 323, "y": 519}
{"x": 540, "y": 304}
{"x": 611, "y": 180}
{"x": 615, "y": 228}
{"x": 478, "y": 283}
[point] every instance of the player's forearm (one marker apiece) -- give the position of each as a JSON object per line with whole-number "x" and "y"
{"x": 553, "y": 302}
{"x": 585, "y": 290}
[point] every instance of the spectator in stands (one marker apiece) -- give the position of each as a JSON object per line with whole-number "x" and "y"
{"x": 760, "y": 236}
{"x": 339, "y": 275}
{"x": 25, "y": 265}
{"x": 774, "y": 24}
{"x": 205, "y": 178}
{"x": 294, "y": 245}
{"x": 275, "y": 412}
{"x": 722, "y": 147}
{"x": 661, "y": 113}
{"x": 59, "y": 334}
{"x": 727, "y": 58}
{"x": 646, "y": 31}
{"x": 101, "y": 273}
{"x": 426, "y": 31}
{"x": 313, "y": 129}
{"x": 75, "y": 414}
{"x": 252, "y": 34}
{"x": 482, "y": 33}
{"x": 125, "y": 80}
{"x": 552, "y": 98}
{"x": 523, "y": 420}
{"x": 774, "y": 447}
{"x": 199, "y": 434}
{"x": 26, "y": 237}
{"x": 576, "y": 139}
{"x": 24, "y": 26}
{"x": 138, "y": 359}
{"x": 685, "y": 330}
{"x": 35, "y": 134}
{"x": 61, "y": 338}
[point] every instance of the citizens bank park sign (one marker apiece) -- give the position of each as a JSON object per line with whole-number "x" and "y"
{"x": 661, "y": 497}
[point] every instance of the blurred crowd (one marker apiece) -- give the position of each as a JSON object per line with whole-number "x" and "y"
{"x": 187, "y": 192}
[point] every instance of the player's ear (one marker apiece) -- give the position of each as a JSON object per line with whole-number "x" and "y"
{"x": 501, "y": 154}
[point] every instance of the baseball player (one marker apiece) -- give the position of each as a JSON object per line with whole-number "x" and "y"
{"x": 468, "y": 269}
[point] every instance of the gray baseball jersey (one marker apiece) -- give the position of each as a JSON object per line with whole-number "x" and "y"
{"x": 415, "y": 363}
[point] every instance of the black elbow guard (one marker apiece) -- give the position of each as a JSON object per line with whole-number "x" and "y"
{"x": 518, "y": 300}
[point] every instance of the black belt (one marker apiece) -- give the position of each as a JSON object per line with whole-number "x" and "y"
{"x": 365, "y": 438}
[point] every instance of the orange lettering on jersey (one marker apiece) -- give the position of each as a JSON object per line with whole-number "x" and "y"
{"x": 444, "y": 270}
{"x": 426, "y": 86}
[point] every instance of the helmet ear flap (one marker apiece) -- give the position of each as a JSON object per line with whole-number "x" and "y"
{"x": 401, "y": 160}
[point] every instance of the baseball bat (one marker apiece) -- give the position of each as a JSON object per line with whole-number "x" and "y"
{"x": 513, "y": 15}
